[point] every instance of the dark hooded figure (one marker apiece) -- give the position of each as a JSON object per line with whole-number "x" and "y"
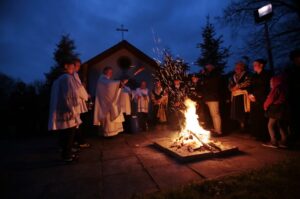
{"x": 258, "y": 92}
{"x": 293, "y": 88}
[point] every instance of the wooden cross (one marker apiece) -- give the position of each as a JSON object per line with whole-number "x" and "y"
{"x": 122, "y": 30}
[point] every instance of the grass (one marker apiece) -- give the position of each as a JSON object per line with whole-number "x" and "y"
{"x": 281, "y": 180}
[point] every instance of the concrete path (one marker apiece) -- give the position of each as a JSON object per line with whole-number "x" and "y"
{"x": 119, "y": 167}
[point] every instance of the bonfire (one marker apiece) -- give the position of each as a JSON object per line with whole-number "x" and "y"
{"x": 193, "y": 137}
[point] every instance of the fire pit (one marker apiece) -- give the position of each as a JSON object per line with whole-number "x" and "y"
{"x": 193, "y": 142}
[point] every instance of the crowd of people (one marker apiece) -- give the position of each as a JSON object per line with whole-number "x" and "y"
{"x": 260, "y": 101}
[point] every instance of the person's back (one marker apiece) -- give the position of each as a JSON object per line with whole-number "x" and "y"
{"x": 211, "y": 86}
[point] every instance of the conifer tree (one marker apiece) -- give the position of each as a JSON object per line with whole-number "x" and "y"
{"x": 211, "y": 48}
{"x": 64, "y": 52}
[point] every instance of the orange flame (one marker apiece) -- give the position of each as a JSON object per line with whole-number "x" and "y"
{"x": 192, "y": 126}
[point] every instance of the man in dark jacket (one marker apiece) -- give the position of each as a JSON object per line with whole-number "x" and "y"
{"x": 258, "y": 92}
{"x": 211, "y": 85}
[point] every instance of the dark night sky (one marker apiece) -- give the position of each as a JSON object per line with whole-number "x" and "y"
{"x": 30, "y": 29}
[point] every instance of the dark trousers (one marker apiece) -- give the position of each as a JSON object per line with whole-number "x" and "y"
{"x": 155, "y": 119}
{"x": 79, "y": 136}
{"x": 258, "y": 122}
{"x": 66, "y": 141}
{"x": 143, "y": 120}
{"x": 80, "y": 132}
{"x": 176, "y": 119}
{"x": 126, "y": 123}
{"x": 293, "y": 118}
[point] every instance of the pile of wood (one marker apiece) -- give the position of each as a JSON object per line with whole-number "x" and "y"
{"x": 185, "y": 148}
{"x": 192, "y": 142}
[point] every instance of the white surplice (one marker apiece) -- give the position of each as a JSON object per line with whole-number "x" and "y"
{"x": 142, "y": 98}
{"x": 63, "y": 111}
{"x": 107, "y": 107}
{"x": 82, "y": 95}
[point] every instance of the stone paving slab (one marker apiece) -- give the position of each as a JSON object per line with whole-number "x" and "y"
{"x": 214, "y": 168}
{"x": 81, "y": 188}
{"x": 267, "y": 156}
{"x": 171, "y": 176}
{"x": 146, "y": 150}
{"x": 242, "y": 162}
{"x": 127, "y": 184}
{"x": 110, "y": 143}
{"x": 138, "y": 141}
{"x": 156, "y": 160}
{"x": 122, "y": 165}
{"x": 118, "y": 152}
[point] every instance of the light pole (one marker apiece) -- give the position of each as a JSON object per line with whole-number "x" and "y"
{"x": 262, "y": 15}
{"x": 269, "y": 47}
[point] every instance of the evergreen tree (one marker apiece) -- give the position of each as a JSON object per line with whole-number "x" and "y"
{"x": 64, "y": 52}
{"x": 211, "y": 50}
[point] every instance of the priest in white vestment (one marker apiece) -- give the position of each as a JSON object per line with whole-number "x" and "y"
{"x": 108, "y": 111}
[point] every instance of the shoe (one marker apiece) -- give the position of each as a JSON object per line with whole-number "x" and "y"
{"x": 68, "y": 160}
{"x": 215, "y": 134}
{"x": 270, "y": 145}
{"x": 71, "y": 159}
{"x": 75, "y": 150}
{"x": 282, "y": 145}
{"x": 75, "y": 157}
{"x": 85, "y": 145}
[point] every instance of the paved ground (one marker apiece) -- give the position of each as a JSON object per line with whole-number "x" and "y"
{"x": 117, "y": 168}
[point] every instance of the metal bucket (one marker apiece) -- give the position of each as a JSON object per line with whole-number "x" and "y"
{"x": 134, "y": 124}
